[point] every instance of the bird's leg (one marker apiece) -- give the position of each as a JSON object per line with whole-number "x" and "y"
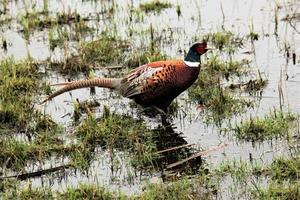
{"x": 161, "y": 111}
{"x": 163, "y": 115}
{"x": 153, "y": 111}
{"x": 164, "y": 121}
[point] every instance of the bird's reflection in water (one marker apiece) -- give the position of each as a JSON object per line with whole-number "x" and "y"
{"x": 173, "y": 149}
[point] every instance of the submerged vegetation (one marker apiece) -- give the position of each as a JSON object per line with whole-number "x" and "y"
{"x": 281, "y": 176}
{"x": 35, "y": 20}
{"x": 225, "y": 40}
{"x": 19, "y": 85}
{"x": 81, "y": 192}
{"x": 139, "y": 58}
{"x": 185, "y": 189}
{"x": 221, "y": 74}
{"x": 207, "y": 90}
{"x": 275, "y": 125}
{"x": 16, "y": 155}
{"x": 113, "y": 131}
{"x": 205, "y": 185}
{"x": 106, "y": 50}
{"x": 103, "y": 51}
{"x": 284, "y": 183}
{"x": 154, "y": 6}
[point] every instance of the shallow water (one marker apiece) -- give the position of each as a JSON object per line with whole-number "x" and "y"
{"x": 177, "y": 33}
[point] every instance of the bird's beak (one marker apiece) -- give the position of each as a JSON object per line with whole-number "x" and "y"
{"x": 208, "y": 48}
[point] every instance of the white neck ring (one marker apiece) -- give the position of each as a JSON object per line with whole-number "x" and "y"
{"x": 192, "y": 64}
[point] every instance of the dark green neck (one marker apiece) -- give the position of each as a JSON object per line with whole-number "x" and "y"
{"x": 192, "y": 56}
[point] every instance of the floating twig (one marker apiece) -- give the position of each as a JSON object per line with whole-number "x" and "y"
{"x": 37, "y": 173}
{"x": 203, "y": 153}
{"x": 175, "y": 148}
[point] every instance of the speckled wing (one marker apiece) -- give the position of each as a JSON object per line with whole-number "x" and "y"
{"x": 135, "y": 82}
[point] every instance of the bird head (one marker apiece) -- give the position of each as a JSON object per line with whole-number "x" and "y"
{"x": 196, "y": 50}
{"x": 200, "y": 48}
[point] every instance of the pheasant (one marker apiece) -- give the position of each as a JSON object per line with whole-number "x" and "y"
{"x": 155, "y": 84}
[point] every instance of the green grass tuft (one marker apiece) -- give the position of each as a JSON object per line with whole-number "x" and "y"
{"x": 219, "y": 102}
{"x": 224, "y": 41}
{"x": 143, "y": 57}
{"x": 277, "y": 124}
{"x": 113, "y": 131}
{"x": 16, "y": 154}
{"x": 154, "y": 6}
{"x": 87, "y": 192}
{"x": 108, "y": 49}
{"x": 19, "y": 85}
{"x": 279, "y": 191}
{"x": 285, "y": 169}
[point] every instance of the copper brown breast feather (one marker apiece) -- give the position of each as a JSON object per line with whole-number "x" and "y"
{"x": 153, "y": 84}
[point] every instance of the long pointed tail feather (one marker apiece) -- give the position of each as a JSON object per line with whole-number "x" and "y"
{"x": 99, "y": 82}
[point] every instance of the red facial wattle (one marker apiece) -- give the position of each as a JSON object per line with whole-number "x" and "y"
{"x": 201, "y": 49}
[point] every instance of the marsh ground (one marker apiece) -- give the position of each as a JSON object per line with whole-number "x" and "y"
{"x": 246, "y": 100}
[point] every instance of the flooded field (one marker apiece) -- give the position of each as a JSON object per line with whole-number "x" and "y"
{"x": 234, "y": 134}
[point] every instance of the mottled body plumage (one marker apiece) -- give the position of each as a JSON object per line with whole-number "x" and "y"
{"x": 153, "y": 84}
{"x": 158, "y": 88}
